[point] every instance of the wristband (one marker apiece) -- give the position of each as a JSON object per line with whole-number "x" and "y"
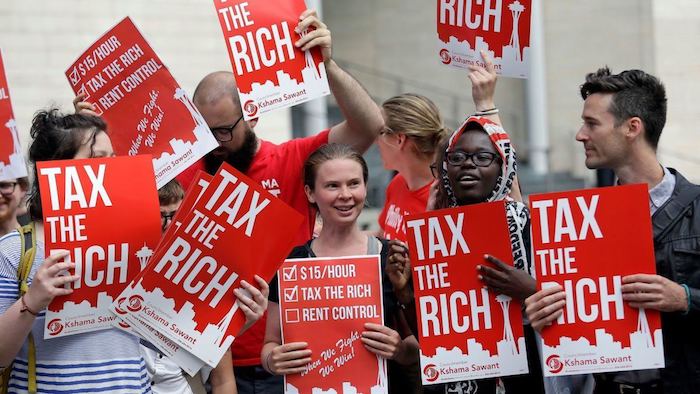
{"x": 25, "y": 308}
{"x": 687, "y": 296}
{"x": 486, "y": 112}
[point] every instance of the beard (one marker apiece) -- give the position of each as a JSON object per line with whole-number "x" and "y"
{"x": 240, "y": 159}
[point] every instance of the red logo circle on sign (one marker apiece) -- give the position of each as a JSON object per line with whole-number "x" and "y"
{"x": 445, "y": 56}
{"x": 135, "y": 303}
{"x": 118, "y": 308}
{"x": 55, "y": 327}
{"x": 554, "y": 364}
{"x": 431, "y": 373}
{"x": 250, "y": 108}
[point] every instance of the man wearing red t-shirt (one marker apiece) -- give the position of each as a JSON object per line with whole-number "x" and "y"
{"x": 278, "y": 167}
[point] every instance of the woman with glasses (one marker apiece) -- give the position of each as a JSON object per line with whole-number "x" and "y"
{"x": 478, "y": 165}
{"x": 12, "y": 193}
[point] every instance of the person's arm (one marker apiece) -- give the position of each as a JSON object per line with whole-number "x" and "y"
{"x": 15, "y": 325}
{"x": 505, "y": 279}
{"x": 279, "y": 359}
{"x": 545, "y": 306}
{"x": 83, "y": 107}
{"x": 386, "y": 342}
{"x": 363, "y": 119}
{"x": 222, "y": 379}
{"x": 656, "y": 292}
{"x": 483, "y": 81}
{"x": 254, "y": 303}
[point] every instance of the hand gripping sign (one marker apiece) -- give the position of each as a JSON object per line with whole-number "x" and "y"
{"x": 336, "y": 297}
{"x": 231, "y": 233}
{"x": 501, "y": 28}
{"x": 11, "y": 157}
{"x": 466, "y": 331}
{"x": 145, "y": 108}
{"x": 105, "y": 213}
{"x": 586, "y": 241}
{"x": 271, "y": 73}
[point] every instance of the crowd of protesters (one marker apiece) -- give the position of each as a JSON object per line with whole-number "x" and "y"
{"x": 325, "y": 176}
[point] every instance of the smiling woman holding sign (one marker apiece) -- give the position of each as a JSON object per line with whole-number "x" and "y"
{"x": 335, "y": 179}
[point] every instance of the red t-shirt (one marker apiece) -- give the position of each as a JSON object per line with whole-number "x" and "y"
{"x": 401, "y": 202}
{"x": 279, "y": 169}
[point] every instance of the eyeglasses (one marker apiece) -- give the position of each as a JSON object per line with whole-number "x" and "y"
{"x": 165, "y": 218}
{"x": 225, "y": 134}
{"x": 480, "y": 159}
{"x": 434, "y": 170}
{"x": 7, "y": 188}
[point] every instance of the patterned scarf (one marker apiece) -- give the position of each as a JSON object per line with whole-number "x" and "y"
{"x": 517, "y": 213}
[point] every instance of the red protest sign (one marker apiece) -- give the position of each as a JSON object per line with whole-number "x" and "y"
{"x": 271, "y": 73}
{"x": 580, "y": 243}
{"x": 11, "y": 157}
{"x": 185, "y": 360}
{"x": 466, "y": 331}
{"x": 336, "y": 297}
{"x": 105, "y": 213}
{"x": 229, "y": 235}
{"x": 192, "y": 195}
{"x": 145, "y": 108}
{"x": 501, "y": 28}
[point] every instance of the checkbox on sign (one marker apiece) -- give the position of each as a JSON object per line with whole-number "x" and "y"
{"x": 84, "y": 91}
{"x": 74, "y": 76}
{"x": 292, "y": 315}
{"x": 98, "y": 110}
{"x": 291, "y": 294}
{"x": 289, "y": 274}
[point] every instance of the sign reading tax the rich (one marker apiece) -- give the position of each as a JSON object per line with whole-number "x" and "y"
{"x": 11, "y": 158}
{"x": 145, "y": 108}
{"x": 271, "y": 72}
{"x": 580, "y": 243}
{"x": 230, "y": 234}
{"x": 465, "y": 331}
{"x": 184, "y": 359}
{"x": 91, "y": 209}
{"x": 335, "y": 296}
{"x": 500, "y": 28}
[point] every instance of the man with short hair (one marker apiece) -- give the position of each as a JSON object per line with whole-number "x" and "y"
{"x": 278, "y": 168}
{"x": 623, "y": 117}
{"x": 12, "y": 192}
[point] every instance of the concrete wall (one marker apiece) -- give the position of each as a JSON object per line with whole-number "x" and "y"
{"x": 580, "y": 37}
{"x": 40, "y": 40}
{"x": 677, "y": 61}
{"x": 397, "y": 37}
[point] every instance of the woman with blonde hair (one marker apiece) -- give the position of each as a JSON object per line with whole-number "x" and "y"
{"x": 413, "y": 128}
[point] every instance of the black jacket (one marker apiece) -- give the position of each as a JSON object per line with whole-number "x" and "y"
{"x": 676, "y": 227}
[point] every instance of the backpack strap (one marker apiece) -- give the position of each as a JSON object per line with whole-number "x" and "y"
{"x": 668, "y": 215}
{"x": 28, "y": 239}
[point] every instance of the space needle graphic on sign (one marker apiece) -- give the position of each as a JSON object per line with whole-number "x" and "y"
{"x": 465, "y": 29}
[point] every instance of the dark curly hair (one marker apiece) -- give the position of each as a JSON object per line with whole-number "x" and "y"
{"x": 635, "y": 94}
{"x": 56, "y": 136}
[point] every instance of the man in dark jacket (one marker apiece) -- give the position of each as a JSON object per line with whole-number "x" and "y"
{"x": 623, "y": 116}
